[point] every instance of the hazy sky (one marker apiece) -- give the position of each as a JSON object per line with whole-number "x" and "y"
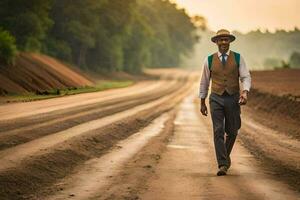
{"x": 246, "y": 15}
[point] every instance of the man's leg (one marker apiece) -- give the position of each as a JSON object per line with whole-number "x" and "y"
{"x": 218, "y": 116}
{"x": 232, "y": 121}
{"x": 230, "y": 140}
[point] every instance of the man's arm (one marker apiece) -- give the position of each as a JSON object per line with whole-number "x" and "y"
{"x": 245, "y": 80}
{"x": 204, "y": 85}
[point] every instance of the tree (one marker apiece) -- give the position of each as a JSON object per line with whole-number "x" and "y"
{"x": 271, "y": 63}
{"x": 27, "y": 21}
{"x": 75, "y": 23}
{"x": 295, "y": 60}
{"x": 8, "y": 48}
{"x": 103, "y": 35}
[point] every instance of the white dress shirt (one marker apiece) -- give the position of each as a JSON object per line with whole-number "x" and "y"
{"x": 244, "y": 74}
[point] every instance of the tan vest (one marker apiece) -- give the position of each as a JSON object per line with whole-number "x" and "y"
{"x": 225, "y": 77}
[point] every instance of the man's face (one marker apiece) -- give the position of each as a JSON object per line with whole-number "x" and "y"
{"x": 223, "y": 43}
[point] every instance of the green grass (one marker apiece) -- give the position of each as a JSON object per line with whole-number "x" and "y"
{"x": 105, "y": 85}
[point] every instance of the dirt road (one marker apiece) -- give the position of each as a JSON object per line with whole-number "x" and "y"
{"x": 147, "y": 141}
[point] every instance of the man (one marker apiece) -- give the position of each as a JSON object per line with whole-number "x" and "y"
{"x": 225, "y": 68}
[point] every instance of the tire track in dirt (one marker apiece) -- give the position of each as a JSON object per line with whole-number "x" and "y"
{"x": 184, "y": 168}
{"x": 96, "y": 174}
{"x": 92, "y": 100}
{"x": 275, "y": 151}
{"x": 13, "y": 155}
{"x": 10, "y": 111}
{"x": 278, "y": 146}
{"x": 33, "y": 131}
{"x": 98, "y": 97}
{"x": 187, "y": 169}
{"x": 132, "y": 178}
{"x": 18, "y": 110}
{"x": 41, "y": 166}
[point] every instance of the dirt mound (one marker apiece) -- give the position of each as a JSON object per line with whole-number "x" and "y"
{"x": 275, "y": 105}
{"x": 274, "y": 100}
{"x": 38, "y": 73}
{"x": 278, "y": 82}
{"x": 277, "y": 92}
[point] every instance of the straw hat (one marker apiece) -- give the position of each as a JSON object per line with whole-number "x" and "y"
{"x": 222, "y": 33}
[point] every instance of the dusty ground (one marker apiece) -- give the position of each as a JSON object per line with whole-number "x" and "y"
{"x": 147, "y": 141}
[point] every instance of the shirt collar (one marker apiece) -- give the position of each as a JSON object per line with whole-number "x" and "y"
{"x": 220, "y": 54}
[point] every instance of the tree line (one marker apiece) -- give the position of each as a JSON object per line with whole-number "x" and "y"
{"x": 260, "y": 49}
{"x": 279, "y": 49}
{"x": 98, "y": 35}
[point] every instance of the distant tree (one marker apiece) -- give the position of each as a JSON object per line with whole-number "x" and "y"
{"x": 8, "y": 48}
{"x": 285, "y": 64}
{"x": 271, "y": 63}
{"x": 258, "y": 46}
{"x": 174, "y": 34}
{"x": 295, "y": 60}
{"x": 199, "y": 22}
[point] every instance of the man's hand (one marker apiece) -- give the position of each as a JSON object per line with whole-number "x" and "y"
{"x": 243, "y": 98}
{"x": 203, "y": 108}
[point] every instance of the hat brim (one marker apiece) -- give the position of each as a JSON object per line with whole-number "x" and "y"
{"x": 231, "y": 37}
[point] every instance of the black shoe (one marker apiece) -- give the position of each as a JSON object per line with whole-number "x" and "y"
{"x": 222, "y": 170}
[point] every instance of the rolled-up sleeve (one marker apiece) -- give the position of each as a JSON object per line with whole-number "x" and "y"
{"x": 245, "y": 76}
{"x": 205, "y": 80}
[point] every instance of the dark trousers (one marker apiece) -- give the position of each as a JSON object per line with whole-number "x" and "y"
{"x": 225, "y": 114}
